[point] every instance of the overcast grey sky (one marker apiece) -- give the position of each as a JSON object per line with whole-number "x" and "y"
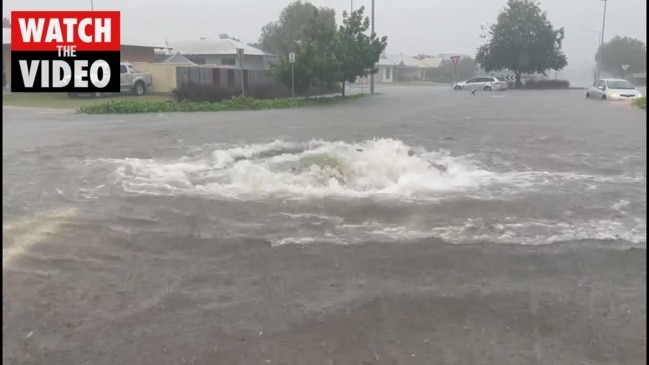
{"x": 412, "y": 26}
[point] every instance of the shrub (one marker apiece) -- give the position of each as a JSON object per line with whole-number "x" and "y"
{"x": 641, "y": 103}
{"x": 236, "y": 103}
{"x": 200, "y": 93}
{"x": 269, "y": 91}
{"x": 547, "y": 84}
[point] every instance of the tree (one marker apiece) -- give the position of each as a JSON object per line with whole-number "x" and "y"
{"x": 465, "y": 69}
{"x": 357, "y": 52}
{"x": 315, "y": 62}
{"x": 226, "y": 36}
{"x": 281, "y": 37}
{"x": 6, "y": 23}
{"x": 623, "y": 51}
{"x": 523, "y": 41}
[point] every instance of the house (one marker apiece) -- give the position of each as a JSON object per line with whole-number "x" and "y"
{"x": 176, "y": 59}
{"x": 409, "y": 68}
{"x": 140, "y": 49}
{"x": 386, "y": 70}
{"x": 133, "y": 49}
{"x": 223, "y": 52}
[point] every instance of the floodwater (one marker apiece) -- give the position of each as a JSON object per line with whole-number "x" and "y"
{"x": 228, "y": 237}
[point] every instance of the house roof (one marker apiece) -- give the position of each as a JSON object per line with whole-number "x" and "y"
{"x": 126, "y": 40}
{"x": 177, "y": 59}
{"x": 404, "y": 60}
{"x": 205, "y": 46}
{"x": 385, "y": 61}
{"x": 432, "y": 62}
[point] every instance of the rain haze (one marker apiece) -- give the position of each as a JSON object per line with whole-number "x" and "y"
{"x": 413, "y": 26}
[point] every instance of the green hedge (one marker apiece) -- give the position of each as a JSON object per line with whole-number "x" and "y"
{"x": 641, "y": 103}
{"x": 237, "y": 103}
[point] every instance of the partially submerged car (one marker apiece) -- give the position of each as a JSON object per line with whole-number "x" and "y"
{"x": 613, "y": 89}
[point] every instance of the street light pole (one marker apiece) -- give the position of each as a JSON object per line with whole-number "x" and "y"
{"x": 601, "y": 43}
{"x": 92, "y": 5}
{"x": 373, "y": 66}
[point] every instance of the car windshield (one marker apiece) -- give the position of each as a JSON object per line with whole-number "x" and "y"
{"x": 619, "y": 84}
{"x": 500, "y": 79}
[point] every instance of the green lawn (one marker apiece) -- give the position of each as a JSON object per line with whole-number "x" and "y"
{"x": 63, "y": 101}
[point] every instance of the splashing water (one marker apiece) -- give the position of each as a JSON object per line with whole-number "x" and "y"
{"x": 381, "y": 167}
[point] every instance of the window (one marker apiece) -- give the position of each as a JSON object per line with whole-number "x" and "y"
{"x": 620, "y": 84}
{"x": 472, "y": 81}
{"x": 122, "y": 69}
{"x": 387, "y": 72}
{"x": 229, "y": 61}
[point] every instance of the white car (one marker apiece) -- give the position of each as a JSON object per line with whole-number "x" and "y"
{"x": 486, "y": 83}
{"x": 613, "y": 89}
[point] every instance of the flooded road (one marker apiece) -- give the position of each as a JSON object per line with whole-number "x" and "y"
{"x": 418, "y": 226}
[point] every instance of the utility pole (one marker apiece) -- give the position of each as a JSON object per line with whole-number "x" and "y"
{"x": 240, "y": 52}
{"x": 601, "y": 43}
{"x": 92, "y": 5}
{"x": 373, "y": 66}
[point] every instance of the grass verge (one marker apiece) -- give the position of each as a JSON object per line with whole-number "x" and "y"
{"x": 641, "y": 103}
{"x": 63, "y": 101}
{"x": 132, "y": 106}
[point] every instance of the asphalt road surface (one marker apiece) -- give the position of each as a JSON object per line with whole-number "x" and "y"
{"x": 418, "y": 226}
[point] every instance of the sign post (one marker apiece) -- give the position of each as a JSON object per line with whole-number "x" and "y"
{"x": 455, "y": 59}
{"x": 291, "y": 59}
{"x": 240, "y": 55}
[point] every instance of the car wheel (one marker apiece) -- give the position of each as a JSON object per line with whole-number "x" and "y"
{"x": 487, "y": 88}
{"x": 587, "y": 95}
{"x": 139, "y": 89}
{"x": 457, "y": 88}
{"x": 604, "y": 97}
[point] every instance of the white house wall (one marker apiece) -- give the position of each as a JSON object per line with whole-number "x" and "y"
{"x": 249, "y": 62}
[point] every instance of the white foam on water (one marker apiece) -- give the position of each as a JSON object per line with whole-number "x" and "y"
{"x": 524, "y": 232}
{"x": 379, "y": 168}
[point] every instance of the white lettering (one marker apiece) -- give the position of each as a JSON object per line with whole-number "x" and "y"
{"x": 28, "y": 74}
{"x": 83, "y": 35}
{"x": 31, "y": 30}
{"x": 102, "y": 32}
{"x": 61, "y": 79}
{"x": 81, "y": 81}
{"x": 45, "y": 73}
{"x": 94, "y": 74}
{"x": 69, "y": 24}
{"x": 54, "y": 32}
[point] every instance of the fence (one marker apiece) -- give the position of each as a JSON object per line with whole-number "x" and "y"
{"x": 222, "y": 76}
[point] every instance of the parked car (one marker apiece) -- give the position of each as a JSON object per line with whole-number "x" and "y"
{"x": 130, "y": 79}
{"x": 613, "y": 89}
{"x": 486, "y": 83}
